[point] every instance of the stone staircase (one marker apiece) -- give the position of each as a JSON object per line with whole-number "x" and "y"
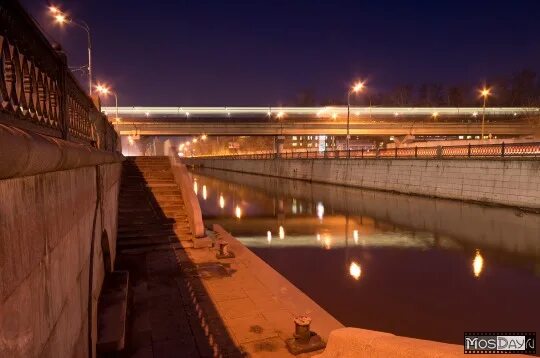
{"x": 151, "y": 209}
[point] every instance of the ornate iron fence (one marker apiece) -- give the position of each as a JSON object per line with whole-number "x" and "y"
{"x": 37, "y": 90}
{"x": 524, "y": 150}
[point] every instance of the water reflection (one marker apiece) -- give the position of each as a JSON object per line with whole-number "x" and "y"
{"x": 417, "y": 252}
{"x": 196, "y": 187}
{"x": 204, "y": 192}
{"x": 320, "y": 211}
{"x": 478, "y": 264}
{"x": 221, "y": 201}
{"x": 354, "y": 270}
{"x": 238, "y": 212}
{"x": 355, "y": 237}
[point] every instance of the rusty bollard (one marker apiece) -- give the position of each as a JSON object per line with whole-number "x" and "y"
{"x": 304, "y": 339}
{"x": 223, "y": 250}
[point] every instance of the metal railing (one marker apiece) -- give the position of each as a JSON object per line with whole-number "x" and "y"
{"x": 37, "y": 90}
{"x": 524, "y": 150}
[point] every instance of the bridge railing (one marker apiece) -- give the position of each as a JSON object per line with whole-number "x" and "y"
{"x": 38, "y": 93}
{"x": 524, "y": 150}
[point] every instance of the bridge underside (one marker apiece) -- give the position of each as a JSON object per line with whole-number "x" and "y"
{"x": 127, "y": 127}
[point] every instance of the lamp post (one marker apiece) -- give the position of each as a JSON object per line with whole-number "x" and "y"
{"x": 104, "y": 90}
{"x": 355, "y": 89}
{"x": 485, "y": 92}
{"x": 62, "y": 18}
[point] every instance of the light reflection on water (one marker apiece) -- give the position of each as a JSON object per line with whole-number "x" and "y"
{"x": 423, "y": 268}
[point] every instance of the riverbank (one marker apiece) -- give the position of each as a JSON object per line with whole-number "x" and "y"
{"x": 489, "y": 181}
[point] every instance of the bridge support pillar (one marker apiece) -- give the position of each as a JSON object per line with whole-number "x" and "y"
{"x": 278, "y": 145}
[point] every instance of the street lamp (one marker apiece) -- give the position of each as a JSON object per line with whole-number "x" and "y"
{"x": 62, "y": 18}
{"x": 104, "y": 90}
{"x": 485, "y": 93}
{"x": 358, "y": 87}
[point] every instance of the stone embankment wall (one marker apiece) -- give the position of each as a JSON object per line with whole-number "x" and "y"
{"x": 505, "y": 182}
{"x": 58, "y": 218}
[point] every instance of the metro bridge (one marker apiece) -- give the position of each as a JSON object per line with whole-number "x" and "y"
{"x": 330, "y": 120}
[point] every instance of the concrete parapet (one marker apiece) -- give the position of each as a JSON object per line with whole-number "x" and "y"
{"x": 23, "y": 153}
{"x": 57, "y": 240}
{"x": 181, "y": 177}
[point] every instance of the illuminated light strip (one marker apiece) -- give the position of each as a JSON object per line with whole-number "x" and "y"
{"x": 316, "y": 111}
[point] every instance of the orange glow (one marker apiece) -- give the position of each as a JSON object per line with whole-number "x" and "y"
{"x": 54, "y": 9}
{"x": 280, "y": 114}
{"x": 435, "y": 114}
{"x": 196, "y": 187}
{"x": 269, "y": 236}
{"x": 130, "y": 140}
{"x": 194, "y": 140}
{"x": 327, "y": 242}
{"x": 355, "y": 270}
{"x": 281, "y": 232}
{"x": 478, "y": 264}
{"x": 334, "y": 115}
{"x": 203, "y": 137}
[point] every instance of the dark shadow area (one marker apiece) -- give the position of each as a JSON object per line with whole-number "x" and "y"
{"x": 170, "y": 313}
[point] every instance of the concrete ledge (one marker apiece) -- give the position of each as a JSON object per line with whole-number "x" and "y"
{"x": 356, "y": 342}
{"x": 23, "y": 153}
{"x": 181, "y": 177}
{"x": 288, "y": 295}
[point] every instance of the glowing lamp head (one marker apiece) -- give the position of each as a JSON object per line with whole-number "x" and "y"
{"x": 104, "y": 90}
{"x": 54, "y": 10}
{"x": 280, "y": 114}
{"x": 194, "y": 140}
{"x": 485, "y": 92}
{"x": 435, "y": 114}
{"x": 359, "y": 86}
{"x": 60, "y": 18}
{"x": 203, "y": 137}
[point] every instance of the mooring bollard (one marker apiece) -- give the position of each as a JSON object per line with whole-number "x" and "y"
{"x": 301, "y": 330}
{"x": 223, "y": 250}
{"x": 304, "y": 339}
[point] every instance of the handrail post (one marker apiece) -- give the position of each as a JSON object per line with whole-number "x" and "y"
{"x": 416, "y": 151}
{"x": 395, "y": 151}
{"x": 469, "y": 150}
{"x": 502, "y": 149}
{"x": 362, "y": 152}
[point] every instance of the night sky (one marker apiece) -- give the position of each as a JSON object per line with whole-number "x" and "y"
{"x": 239, "y": 53}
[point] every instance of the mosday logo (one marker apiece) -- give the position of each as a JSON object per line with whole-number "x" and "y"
{"x": 500, "y": 342}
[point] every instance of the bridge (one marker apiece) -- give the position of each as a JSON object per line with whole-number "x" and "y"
{"x": 271, "y": 121}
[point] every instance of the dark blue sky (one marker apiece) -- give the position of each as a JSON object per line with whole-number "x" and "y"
{"x": 251, "y": 52}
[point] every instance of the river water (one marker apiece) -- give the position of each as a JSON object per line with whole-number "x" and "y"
{"x": 412, "y": 266}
